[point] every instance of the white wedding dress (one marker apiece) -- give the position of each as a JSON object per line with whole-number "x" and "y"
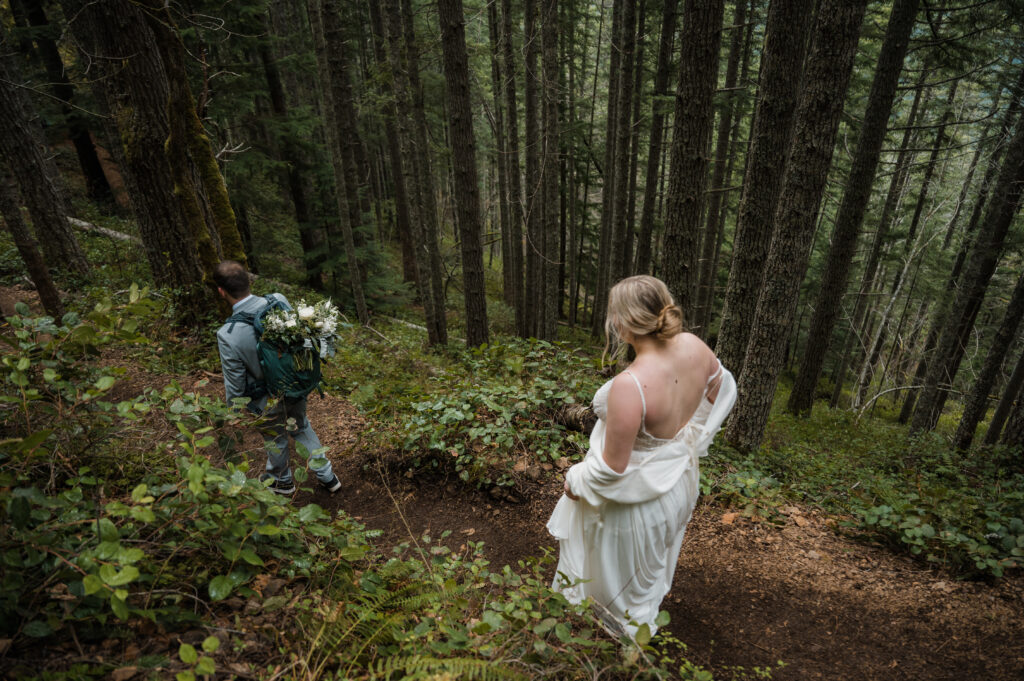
{"x": 618, "y": 544}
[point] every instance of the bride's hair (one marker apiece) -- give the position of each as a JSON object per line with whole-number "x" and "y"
{"x": 643, "y": 306}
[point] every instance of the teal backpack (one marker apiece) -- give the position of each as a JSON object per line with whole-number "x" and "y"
{"x": 280, "y": 377}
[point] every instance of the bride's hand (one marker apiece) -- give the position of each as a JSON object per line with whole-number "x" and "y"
{"x": 568, "y": 492}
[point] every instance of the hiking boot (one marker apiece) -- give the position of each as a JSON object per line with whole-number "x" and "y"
{"x": 282, "y": 488}
{"x": 332, "y": 485}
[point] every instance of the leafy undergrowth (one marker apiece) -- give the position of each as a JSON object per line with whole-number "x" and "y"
{"x": 116, "y": 525}
{"x": 485, "y": 414}
{"x": 963, "y": 512}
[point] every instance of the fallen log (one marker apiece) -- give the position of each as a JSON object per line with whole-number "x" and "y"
{"x": 113, "y": 234}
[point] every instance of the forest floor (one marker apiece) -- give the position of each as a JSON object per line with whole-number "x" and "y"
{"x": 746, "y": 594}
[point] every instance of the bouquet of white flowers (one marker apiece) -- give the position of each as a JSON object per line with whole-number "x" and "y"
{"x": 304, "y": 330}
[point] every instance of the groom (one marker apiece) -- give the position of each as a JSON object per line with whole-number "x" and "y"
{"x": 243, "y": 377}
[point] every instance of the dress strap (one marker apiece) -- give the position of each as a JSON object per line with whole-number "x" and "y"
{"x": 643, "y": 401}
{"x": 715, "y": 376}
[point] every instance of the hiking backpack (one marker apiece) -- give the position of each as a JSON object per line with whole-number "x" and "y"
{"x": 280, "y": 377}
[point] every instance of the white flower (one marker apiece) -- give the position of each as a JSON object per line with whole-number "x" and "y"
{"x": 306, "y": 312}
{"x": 290, "y": 323}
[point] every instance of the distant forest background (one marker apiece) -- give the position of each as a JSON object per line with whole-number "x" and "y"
{"x": 830, "y": 188}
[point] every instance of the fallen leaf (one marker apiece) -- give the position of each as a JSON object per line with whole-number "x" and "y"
{"x": 563, "y": 462}
{"x": 469, "y": 531}
{"x": 728, "y": 518}
{"x": 813, "y": 555}
{"x": 801, "y": 521}
{"x": 123, "y": 674}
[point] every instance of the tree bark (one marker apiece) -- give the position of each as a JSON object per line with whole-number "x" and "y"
{"x": 623, "y": 115}
{"x": 96, "y": 184}
{"x": 985, "y": 253}
{"x": 1010, "y": 393}
{"x": 854, "y": 204}
{"x": 401, "y": 172}
{"x": 712, "y": 237}
{"x": 514, "y": 185}
{"x": 691, "y": 142}
{"x": 501, "y": 162}
{"x": 786, "y": 32}
{"x": 634, "y": 141}
{"x": 897, "y": 184}
{"x": 309, "y": 236}
{"x": 550, "y": 176}
{"x": 829, "y": 65}
{"x": 977, "y": 401}
{"x": 604, "y": 256}
{"x": 460, "y": 125}
{"x": 137, "y": 91}
{"x": 23, "y": 148}
{"x": 535, "y": 207}
{"x": 28, "y": 248}
{"x": 333, "y": 69}
{"x": 430, "y": 250}
{"x": 658, "y": 114}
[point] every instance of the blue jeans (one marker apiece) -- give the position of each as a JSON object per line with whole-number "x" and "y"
{"x": 276, "y": 432}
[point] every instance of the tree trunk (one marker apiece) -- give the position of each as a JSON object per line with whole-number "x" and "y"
{"x": 897, "y": 183}
{"x": 96, "y": 185}
{"x": 430, "y": 250}
{"x": 309, "y": 236}
{"x": 27, "y": 247}
{"x": 985, "y": 253}
{"x": 691, "y": 142}
{"x": 977, "y": 401}
{"x": 786, "y": 32}
{"x": 623, "y": 114}
{"x": 498, "y": 117}
{"x": 854, "y": 205}
{"x": 30, "y": 161}
{"x": 604, "y": 257}
{"x": 323, "y": 16}
{"x": 460, "y": 125}
{"x": 634, "y": 141}
{"x": 202, "y": 163}
{"x": 829, "y": 65}
{"x": 550, "y": 178}
{"x": 734, "y": 144}
{"x": 658, "y": 112}
{"x": 707, "y": 276}
{"x": 514, "y": 186}
{"x": 535, "y": 207}
{"x": 137, "y": 91}
{"x": 1010, "y": 393}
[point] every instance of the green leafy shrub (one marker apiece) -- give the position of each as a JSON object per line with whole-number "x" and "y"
{"x": 912, "y": 493}
{"x": 500, "y": 411}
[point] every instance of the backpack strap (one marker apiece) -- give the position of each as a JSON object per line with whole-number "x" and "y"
{"x": 247, "y": 317}
{"x": 244, "y": 317}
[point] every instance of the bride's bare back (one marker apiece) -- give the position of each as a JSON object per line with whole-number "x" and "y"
{"x": 674, "y": 374}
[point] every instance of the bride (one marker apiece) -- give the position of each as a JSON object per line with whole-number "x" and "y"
{"x": 621, "y": 521}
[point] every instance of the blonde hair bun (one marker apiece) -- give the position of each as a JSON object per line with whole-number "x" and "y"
{"x": 642, "y": 306}
{"x": 670, "y": 322}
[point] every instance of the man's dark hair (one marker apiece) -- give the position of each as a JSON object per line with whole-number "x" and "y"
{"x": 232, "y": 277}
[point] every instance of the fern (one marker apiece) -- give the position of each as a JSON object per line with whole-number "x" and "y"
{"x": 422, "y": 667}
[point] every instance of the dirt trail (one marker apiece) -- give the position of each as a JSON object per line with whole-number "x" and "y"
{"x": 745, "y": 594}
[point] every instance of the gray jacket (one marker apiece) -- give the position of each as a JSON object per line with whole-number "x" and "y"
{"x": 237, "y": 346}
